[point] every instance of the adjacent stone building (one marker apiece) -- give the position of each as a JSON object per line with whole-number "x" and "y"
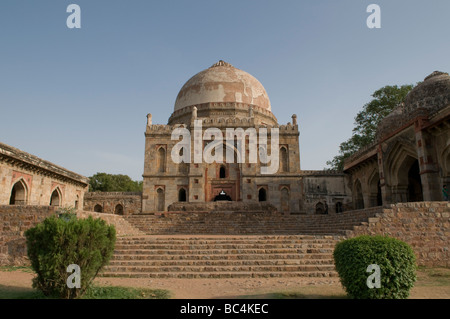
{"x": 119, "y": 203}
{"x": 28, "y": 180}
{"x": 410, "y": 158}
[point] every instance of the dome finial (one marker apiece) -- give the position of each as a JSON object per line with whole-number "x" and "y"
{"x": 435, "y": 73}
{"x": 221, "y": 63}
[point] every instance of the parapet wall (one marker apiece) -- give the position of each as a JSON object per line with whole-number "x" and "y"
{"x": 425, "y": 226}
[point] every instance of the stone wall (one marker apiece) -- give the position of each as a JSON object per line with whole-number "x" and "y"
{"x": 14, "y": 221}
{"x": 423, "y": 225}
{"x": 120, "y": 203}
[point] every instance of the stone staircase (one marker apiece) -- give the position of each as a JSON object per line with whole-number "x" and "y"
{"x": 248, "y": 223}
{"x": 238, "y": 244}
{"x": 221, "y": 256}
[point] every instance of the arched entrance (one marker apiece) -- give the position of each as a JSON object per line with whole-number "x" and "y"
{"x": 182, "y": 195}
{"x": 262, "y": 195}
{"x": 98, "y": 208}
{"x": 358, "y": 196}
{"x": 160, "y": 199}
{"x": 415, "y": 193}
{"x": 284, "y": 160}
{"x": 18, "y": 194}
{"x": 320, "y": 208}
{"x": 118, "y": 210}
{"x": 55, "y": 199}
{"x": 161, "y": 160}
{"x": 224, "y": 176}
{"x": 375, "y": 197}
{"x": 339, "y": 208}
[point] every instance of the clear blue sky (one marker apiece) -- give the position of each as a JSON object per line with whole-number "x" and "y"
{"x": 79, "y": 98}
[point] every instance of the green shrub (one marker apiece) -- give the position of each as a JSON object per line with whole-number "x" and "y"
{"x": 60, "y": 241}
{"x": 395, "y": 258}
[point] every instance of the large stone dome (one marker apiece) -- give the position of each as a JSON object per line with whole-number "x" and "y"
{"x": 222, "y": 83}
{"x": 432, "y": 94}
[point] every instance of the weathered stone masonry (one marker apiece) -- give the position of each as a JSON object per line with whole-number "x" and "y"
{"x": 26, "y": 179}
{"x": 119, "y": 203}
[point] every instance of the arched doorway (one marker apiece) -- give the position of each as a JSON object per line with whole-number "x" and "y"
{"x": 359, "y": 200}
{"x": 182, "y": 167}
{"x": 224, "y": 175}
{"x": 320, "y": 208}
{"x": 18, "y": 194}
{"x": 284, "y": 160}
{"x": 161, "y": 160}
{"x": 339, "y": 208}
{"x": 182, "y": 195}
{"x": 262, "y": 195}
{"x": 222, "y": 172}
{"x": 379, "y": 195}
{"x": 55, "y": 199}
{"x": 375, "y": 198}
{"x": 415, "y": 193}
{"x": 160, "y": 199}
{"x": 98, "y": 208}
{"x": 118, "y": 210}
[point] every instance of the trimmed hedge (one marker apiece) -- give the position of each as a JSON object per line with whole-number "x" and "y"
{"x": 395, "y": 258}
{"x": 62, "y": 240}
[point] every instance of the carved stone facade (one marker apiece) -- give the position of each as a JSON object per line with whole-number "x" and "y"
{"x": 410, "y": 159}
{"x": 28, "y": 180}
{"x": 227, "y": 98}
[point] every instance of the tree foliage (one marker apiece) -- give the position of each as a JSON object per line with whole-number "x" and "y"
{"x": 366, "y": 121}
{"x": 103, "y": 182}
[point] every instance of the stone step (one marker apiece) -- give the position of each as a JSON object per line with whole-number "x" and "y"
{"x": 185, "y": 246}
{"x": 224, "y": 251}
{"x": 223, "y": 256}
{"x": 156, "y": 257}
{"x": 129, "y": 243}
{"x": 184, "y": 269}
{"x": 223, "y": 231}
{"x": 222, "y": 274}
{"x": 267, "y": 262}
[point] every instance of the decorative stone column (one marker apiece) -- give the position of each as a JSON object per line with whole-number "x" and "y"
{"x": 429, "y": 171}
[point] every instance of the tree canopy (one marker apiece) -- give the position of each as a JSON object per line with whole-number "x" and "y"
{"x": 103, "y": 182}
{"x": 366, "y": 121}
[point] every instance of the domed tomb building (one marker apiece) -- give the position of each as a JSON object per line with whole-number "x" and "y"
{"x": 410, "y": 158}
{"x": 234, "y": 102}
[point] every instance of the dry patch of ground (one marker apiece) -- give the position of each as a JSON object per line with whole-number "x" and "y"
{"x": 432, "y": 283}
